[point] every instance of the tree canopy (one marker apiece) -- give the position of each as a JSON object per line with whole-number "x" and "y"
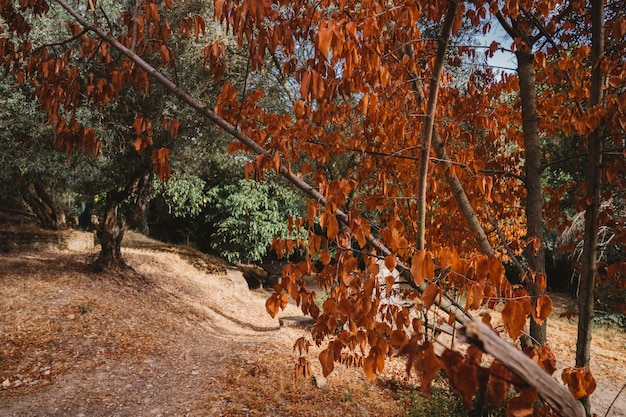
{"x": 404, "y": 165}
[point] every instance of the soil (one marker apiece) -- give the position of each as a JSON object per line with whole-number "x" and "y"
{"x": 178, "y": 336}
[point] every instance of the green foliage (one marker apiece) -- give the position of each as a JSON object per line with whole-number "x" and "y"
{"x": 442, "y": 402}
{"x": 604, "y": 319}
{"x": 184, "y": 195}
{"x": 246, "y": 217}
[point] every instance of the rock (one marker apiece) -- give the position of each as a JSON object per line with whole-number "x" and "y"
{"x": 320, "y": 381}
{"x": 296, "y": 321}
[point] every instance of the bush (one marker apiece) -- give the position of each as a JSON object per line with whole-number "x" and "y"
{"x": 246, "y": 217}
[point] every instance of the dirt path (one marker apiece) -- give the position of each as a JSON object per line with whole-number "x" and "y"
{"x": 172, "y": 340}
{"x": 168, "y": 341}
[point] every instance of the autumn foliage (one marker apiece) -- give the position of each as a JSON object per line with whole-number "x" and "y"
{"x": 361, "y": 74}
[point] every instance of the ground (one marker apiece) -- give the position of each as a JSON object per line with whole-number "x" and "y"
{"x": 182, "y": 337}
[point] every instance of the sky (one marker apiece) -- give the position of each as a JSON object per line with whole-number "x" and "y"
{"x": 504, "y": 60}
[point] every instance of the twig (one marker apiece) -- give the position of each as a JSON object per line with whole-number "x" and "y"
{"x": 615, "y": 399}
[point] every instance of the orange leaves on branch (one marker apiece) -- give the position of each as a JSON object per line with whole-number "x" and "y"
{"x": 143, "y": 127}
{"x": 462, "y": 376}
{"x": 540, "y": 59}
{"x": 374, "y": 363}
{"x": 160, "y": 163}
{"x": 523, "y": 404}
{"x": 579, "y": 381}
{"x": 542, "y": 308}
{"x": 514, "y": 316}
{"x": 427, "y": 364}
{"x": 475, "y": 295}
{"x": 422, "y": 266}
{"x": 275, "y": 302}
{"x": 312, "y": 85}
{"x": 214, "y": 54}
{"x": 498, "y": 383}
{"x": 534, "y": 244}
{"x": 166, "y": 56}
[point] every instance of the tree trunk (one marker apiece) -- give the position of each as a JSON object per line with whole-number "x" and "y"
{"x": 114, "y": 224}
{"x": 48, "y": 211}
{"x": 110, "y": 235}
{"x": 535, "y": 252}
{"x": 429, "y": 123}
{"x": 593, "y": 178}
{"x": 453, "y": 181}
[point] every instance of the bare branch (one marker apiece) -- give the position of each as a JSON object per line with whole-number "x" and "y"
{"x": 480, "y": 335}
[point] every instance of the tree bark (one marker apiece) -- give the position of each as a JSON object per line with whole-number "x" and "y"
{"x": 114, "y": 224}
{"x": 536, "y": 256}
{"x": 453, "y": 181}
{"x": 49, "y": 213}
{"x": 593, "y": 178}
{"x": 429, "y": 123}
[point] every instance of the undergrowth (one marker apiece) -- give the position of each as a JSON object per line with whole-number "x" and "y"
{"x": 442, "y": 402}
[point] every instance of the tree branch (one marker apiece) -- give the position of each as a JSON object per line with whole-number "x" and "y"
{"x": 63, "y": 42}
{"x": 429, "y": 124}
{"x": 445, "y": 302}
{"x": 479, "y": 334}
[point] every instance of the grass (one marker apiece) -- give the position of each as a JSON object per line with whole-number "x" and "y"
{"x": 442, "y": 402}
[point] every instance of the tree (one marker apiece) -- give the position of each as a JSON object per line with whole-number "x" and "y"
{"x": 247, "y": 216}
{"x": 358, "y": 98}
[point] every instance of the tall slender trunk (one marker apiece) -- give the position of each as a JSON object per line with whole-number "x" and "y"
{"x": 593, "y": 178}
{"x": 536, "y": 255}
{"x": 429, "y": 122}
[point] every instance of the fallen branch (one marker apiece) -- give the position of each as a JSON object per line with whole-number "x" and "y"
{"x": 480, "y": 335}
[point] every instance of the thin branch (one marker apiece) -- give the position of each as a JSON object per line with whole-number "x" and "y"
{"x": 505, "y": 243}
{"x": 542, "y": 31}
{"x": 502, "y": 172}
{"x": 505, "y": 25}
{"x": 63, "y": 42}
{"x": 615, "y": 399}
{"x": 445, "y": 302}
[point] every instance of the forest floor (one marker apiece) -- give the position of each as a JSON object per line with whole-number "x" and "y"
{"x": 182, "y": 336}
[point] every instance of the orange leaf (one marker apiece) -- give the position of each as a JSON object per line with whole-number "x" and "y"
{"x": 333, "y": 226}
{"x": 417, "y": 267}
{"x": 427, "y": 365}
{"x": 513, "y": 318}
{"x": 327, "y": 359}
{"x": 174, "y": 125}
{"x": 299, "y": 109}
{"x": 272, "y": 305}
{"x": 498, "y": 384}
{"x": 324, "y": 257}
{"x": 429, "y": 295}
{"x": 305, "y": 85}
{"x": 374, "y": 363}
{"x": 580, "y": 381}
{"x": 542, "y": 282}
{"x": 461, "y": 375}
{"x": 323, "y": 41}
{"x": 398, "y": 339}
{"x": 523, "y": 404}
{"x": 542, "y": 308}
{"x": 390, "y": 262}
{"x": 540, "y": 59}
